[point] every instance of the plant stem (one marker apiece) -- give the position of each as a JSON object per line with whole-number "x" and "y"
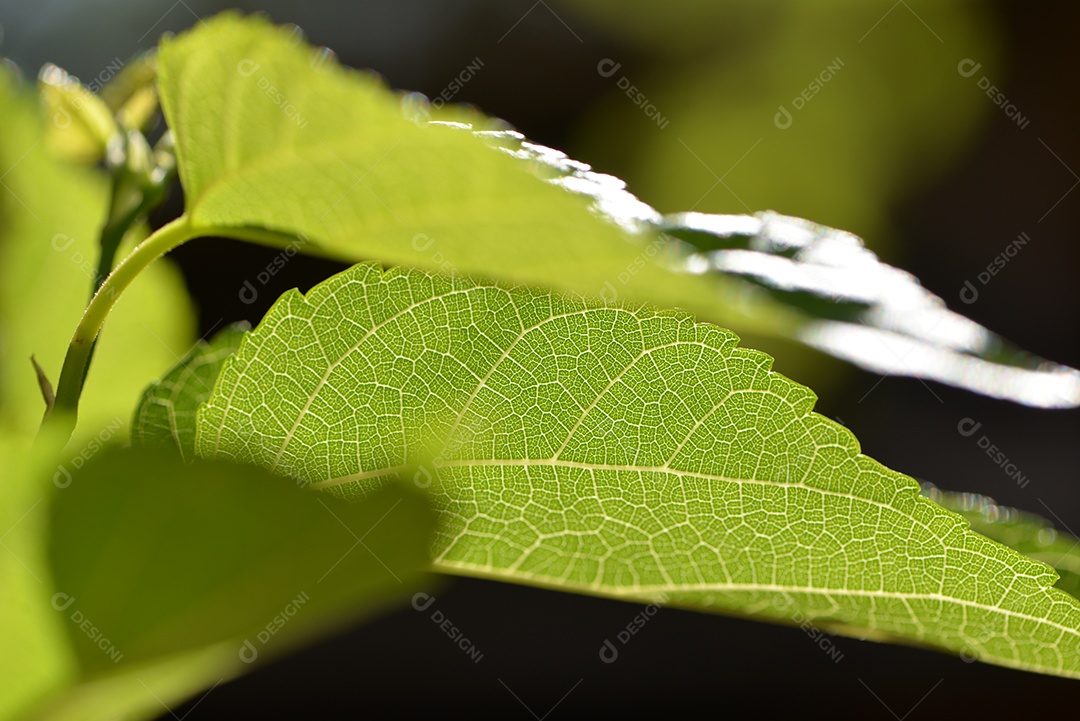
{"x": 112, "y": 233}
{"x": 63, "y": 414}
{"x": 77, "y": 359}
{"x": 129, "y": 203}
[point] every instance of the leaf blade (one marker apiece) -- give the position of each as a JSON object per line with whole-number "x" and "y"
{"x": 171, "y": 571}
{"x": 265, "y": 140}
{"x": 165, "y": 416}
{"x": 620, "y": 452}
{"x": 348, "y": 171}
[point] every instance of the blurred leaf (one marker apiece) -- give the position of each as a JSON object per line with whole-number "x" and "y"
{"x": 620, "y": 452}
{"x": 37, "y": 658}
{"x": 131, "y": 94}
{"x": 140, "y": 691}
{"x": 832, "y": 110}
{"x": 80, "y": 124}
{"x": 165, "y": 416}
{"x": 153, "y": 557}
{"x": 1028, "y": 533}
{"x": 864, "y": 311}
{"x": 50, "y": 215}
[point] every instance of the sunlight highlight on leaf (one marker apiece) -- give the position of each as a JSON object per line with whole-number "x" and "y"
{"x": 853, "y": 306}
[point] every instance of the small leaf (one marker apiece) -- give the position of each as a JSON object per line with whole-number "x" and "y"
{"x": 152, "y": 557}
{"x": 620, "y": 452}
{"x": 80, "y": 123}
{"x": 131, "y": 95}
{"x": 165, "y": 416}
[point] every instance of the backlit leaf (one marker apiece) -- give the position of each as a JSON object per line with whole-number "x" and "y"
{"x": 620, "y": 452}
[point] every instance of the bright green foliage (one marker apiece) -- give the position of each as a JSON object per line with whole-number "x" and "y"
{"x": 270, "y": 138}
{"x": 166, "y": 414}
{"x": 264, "y": 139}
{"x": 620, "y": 452}
{"x": 36, "y": 657}
{"x": 568, "y": 443}
{"x": 153, "y": 559}
{"x": 50, "y": 215}
{"x": 274, "y": 143}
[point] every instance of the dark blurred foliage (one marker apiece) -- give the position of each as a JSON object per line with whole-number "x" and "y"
{"x": 896, "y": 145}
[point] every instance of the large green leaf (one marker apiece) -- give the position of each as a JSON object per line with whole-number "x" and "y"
{"x": 165, "y": 416}
{"x": 620, "y": 452}
{"x": 270, "y": 138}
{"x": 265, "y": 139}
{"x": 155, "y": 560}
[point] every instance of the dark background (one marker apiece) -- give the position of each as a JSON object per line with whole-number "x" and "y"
{"x": 897, "y": 147}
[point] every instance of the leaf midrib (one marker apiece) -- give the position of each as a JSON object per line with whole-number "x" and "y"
{"x": 585, "y": 466}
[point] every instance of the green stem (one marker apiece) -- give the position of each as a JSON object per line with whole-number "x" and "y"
{"x": 77, "y": 359}
{"x": 113, "y": 232}
{"x": 63, "y": 413}
{"x": 130, "y": 202}
{"x": 125, "y": 210}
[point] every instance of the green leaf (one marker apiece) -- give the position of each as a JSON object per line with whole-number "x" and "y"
{"x": 1028, "y": 533}
{"x": 51, "y": 213}
{"x": 165, "y": 416}
{"x": 270, "y": 136}
{"x": 266, "y": 139}
{"x": 80, "y": 123}
{"x": 36, "y": 658}
{"x": 154, "y": 559}
{"x": 620, "y": 452}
